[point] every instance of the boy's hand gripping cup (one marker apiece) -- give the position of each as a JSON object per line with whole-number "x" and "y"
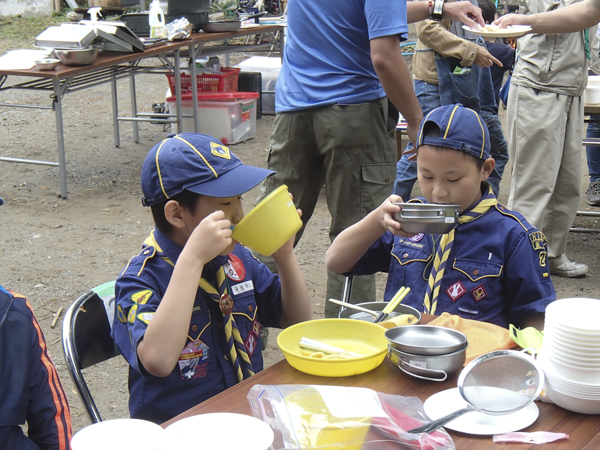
{"x": 270, "y": 224}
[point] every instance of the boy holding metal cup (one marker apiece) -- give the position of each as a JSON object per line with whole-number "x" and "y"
{"x": 491, "y": 267}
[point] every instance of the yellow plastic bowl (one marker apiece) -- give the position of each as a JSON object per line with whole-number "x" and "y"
{"x": 365, "y": 338}
{"x": 270, "y": 224}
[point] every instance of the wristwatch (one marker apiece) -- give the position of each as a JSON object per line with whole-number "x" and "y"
{"x": 437, "y": 10}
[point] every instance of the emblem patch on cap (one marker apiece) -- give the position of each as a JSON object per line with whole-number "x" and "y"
{"x": 456, "y": 291}
{"x": 220, "y": 150}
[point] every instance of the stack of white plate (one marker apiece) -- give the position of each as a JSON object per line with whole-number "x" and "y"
{"x": 571, "y": 354}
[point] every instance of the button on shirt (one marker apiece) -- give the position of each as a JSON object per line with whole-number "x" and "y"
{"x": 497, "y": 270}
{"x": 203, "y": 371}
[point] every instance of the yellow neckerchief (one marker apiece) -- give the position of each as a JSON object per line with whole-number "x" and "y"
{"x": 443, "y": 251}
{"x": 237, "y": 350}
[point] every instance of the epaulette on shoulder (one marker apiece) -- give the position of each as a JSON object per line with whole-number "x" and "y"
{"x": 140, "y": 259}
{"x": 517, "y": 216}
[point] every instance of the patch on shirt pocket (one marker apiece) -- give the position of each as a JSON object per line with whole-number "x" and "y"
{"x": 476, "y": 270}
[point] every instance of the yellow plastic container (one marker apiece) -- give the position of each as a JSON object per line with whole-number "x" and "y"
{"x": 270, "y": 224}
{"x": 365, "y": 338}
{"x": 316, "y": 427}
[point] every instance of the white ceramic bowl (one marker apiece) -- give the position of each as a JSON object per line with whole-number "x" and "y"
{"x": 554, "y": 351}
{"x": 568, "y": 371}
{"x": 571, "y": 402}
{"x": 573, "y": 350}
{"x": 561, "y": 312}
{"x": 569, "y": 339}
{"x": 570, "y": 389}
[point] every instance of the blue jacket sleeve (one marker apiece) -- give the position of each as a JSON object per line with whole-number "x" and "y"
{"x": 31, "y": 391}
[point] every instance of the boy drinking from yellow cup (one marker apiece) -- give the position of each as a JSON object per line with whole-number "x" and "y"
{"x": 190, "y": 305}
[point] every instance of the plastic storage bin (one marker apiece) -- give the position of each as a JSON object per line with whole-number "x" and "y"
{"x": 208, "y": 82}
{"x": 269, "y": 68}
{"x": 227, "y": 116}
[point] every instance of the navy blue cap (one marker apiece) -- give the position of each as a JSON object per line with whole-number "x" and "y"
{"x": 1, "y": 202}
{"x": 197, "y": 163}
{"x": 460, "y": 129}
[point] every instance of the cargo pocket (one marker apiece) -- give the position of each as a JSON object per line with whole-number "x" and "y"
{"x": 376, "y": 185}
{"x": 476, "y": 270}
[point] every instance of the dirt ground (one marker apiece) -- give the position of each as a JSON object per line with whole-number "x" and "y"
{"x": 53, "y": 250}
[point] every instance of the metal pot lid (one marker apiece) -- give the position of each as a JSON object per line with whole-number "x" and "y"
{"x": 426, "y": 340}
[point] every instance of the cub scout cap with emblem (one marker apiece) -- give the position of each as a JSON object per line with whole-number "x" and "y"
{"x": 459, "y": 128}
{"x": 197, "y": 163}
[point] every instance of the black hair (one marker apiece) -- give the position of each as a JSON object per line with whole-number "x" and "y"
{"x": 488, "y": 10}
{"x": 186, "y": 199}
{"x": 432, "y": 130}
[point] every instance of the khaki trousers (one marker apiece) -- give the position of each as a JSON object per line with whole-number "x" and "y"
{"x": 352, "y": 151}
{"x": 545, "y": 132}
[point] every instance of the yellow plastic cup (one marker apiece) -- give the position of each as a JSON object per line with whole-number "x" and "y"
{"x": 270, "y": 224}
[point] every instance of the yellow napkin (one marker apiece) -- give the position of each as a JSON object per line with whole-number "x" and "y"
{"x": 527, "y": 337}
{"x": 483, "y": 337}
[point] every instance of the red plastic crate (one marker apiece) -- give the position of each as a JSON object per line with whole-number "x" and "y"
{"x": 211, "y": 82}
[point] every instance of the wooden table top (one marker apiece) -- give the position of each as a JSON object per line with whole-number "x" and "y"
{"x": 108, "y": 59}
{"x": 584, "y": 430}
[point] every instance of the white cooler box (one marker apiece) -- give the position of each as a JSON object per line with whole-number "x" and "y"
{"x": 227, "y": 116}
{"x": 269, "y": 69}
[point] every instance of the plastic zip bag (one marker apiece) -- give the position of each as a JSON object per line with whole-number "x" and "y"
{"x": 348, "y": 418}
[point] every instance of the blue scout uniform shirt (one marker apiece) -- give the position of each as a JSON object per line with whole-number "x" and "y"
{"x": 497, "y": 270}
{"x": 204, "y": 368}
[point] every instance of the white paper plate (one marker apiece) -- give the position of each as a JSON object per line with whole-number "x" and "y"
{"x": 510, "y": 31}
{"x": 446, "y": 402}
{"x": 219, "y": 431}
{"x": 119, "y": 434}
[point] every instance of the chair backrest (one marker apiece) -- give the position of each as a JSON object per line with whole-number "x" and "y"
{"x": 86, "y": 339}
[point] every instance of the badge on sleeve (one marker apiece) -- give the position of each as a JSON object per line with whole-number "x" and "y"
{"x": 132, "y": 313}
{"x": 142, "y": 297}
{"x": 538, "y": 240}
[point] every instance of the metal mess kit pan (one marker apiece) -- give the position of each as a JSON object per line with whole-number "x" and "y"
{"x": 427, "y": 352}
{"x": 426, "y": 340}
{"x": 427, "y": 218}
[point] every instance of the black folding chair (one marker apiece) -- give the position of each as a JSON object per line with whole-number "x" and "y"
{"x": 86, "y": 339}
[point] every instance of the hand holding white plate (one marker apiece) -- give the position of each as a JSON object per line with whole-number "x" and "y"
{"x": 494, "y": 31}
